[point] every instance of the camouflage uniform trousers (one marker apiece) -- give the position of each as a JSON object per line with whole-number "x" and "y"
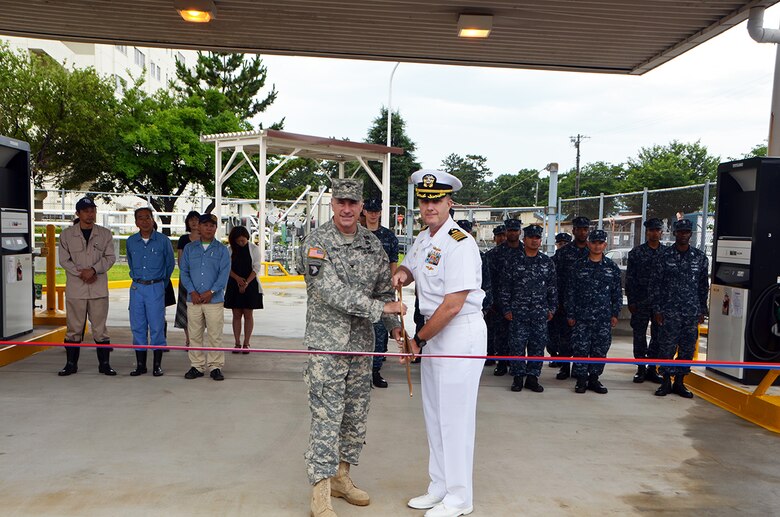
{"x": 590, "y": 338}
{"x": 677, "y": 334}
{"x": 639, "y": 321}
{"x": 531, "y": 337}
{"x": 380, "y": 343}
{"x": 561, "y": 333}
{"x": 497, "y": 333}
{"x": 339, "y": 395}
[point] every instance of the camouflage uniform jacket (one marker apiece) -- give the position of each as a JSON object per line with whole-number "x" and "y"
{"x": 564, "y": 259}
{"x": 529, "y": 288}
{"x": 347, "y": 286}
{"x": 638, "y": 270}
{"x": 389, "y": 243}
{"x": 679, "y": 284}
{"x": 594, "y": 290}
{"x": 499, "y": 261}
{"x": 487, "y": 284}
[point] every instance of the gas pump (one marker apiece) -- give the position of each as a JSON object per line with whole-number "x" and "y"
{"x": 744, "y": 323}
{"x": 16, "y": 282}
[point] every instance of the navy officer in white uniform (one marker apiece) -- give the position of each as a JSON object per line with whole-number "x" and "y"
{"x": 445, "y": 265}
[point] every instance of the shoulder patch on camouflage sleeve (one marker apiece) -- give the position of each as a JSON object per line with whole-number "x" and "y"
{"x": 457, "y": 234}
{"x": 316, "y": 253}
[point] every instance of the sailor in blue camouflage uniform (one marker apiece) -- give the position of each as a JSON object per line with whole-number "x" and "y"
{"x": 372, "y": 210}
{"x": 493, "y": 319}
{"x": 564, "y": 258}
{"x": 512, "y": 249}
{"x": 529, "y": 297}
{"x": 638, "y": 270}
{"x": 679, "y": 289}
{"x": 553, "y": 326}
{"x": 467, "y": 226}
{"x": 593, "y": 301}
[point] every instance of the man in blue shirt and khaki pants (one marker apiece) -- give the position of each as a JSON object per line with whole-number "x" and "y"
{"x": 204, "y": 271}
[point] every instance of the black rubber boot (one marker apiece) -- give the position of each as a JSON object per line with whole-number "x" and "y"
{"x": 652, "y": 374}
{"x": 377, "y": 380}
{"x": 517, "y": 383}
{"x": 595, "y": 385}
{"x": 665, "y": 388}
{"x": 565, "y": 372}
{"x": 103, "y": 355}
{"x": 582, "y": 385}
{"x": 501, "y": 369}
{"x": 532, "y": 383}
{"x": 71, "y": 361}
{"x": 157, "y": 370}
{"x": 641, "y": 372}
{"x": 140, "y": 361}
{"x": 679, "y": 387}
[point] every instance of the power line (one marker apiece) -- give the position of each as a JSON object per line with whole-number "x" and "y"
{"x": 577, "y": 140}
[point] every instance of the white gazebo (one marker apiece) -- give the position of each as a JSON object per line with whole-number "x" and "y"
{"x": 253, "y": 147}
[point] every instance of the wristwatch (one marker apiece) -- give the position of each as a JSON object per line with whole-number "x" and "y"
{"x": 420, "y": 341}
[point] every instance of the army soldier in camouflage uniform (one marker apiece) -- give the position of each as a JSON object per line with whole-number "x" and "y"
{"x": 564, "y": 259}
{"x": 593, "y": 300}
{"x": 493, "y": 319}
{"x": 372, "y": 209}
{"x": 529, "y": 297}
{"x": 511, "y": 250}
{"x": 349, "y": 287}
{"x": 679, "y": 287}
{"x": 638, "y": 270}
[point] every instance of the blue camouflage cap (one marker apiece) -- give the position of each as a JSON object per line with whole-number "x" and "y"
{"x": 683, "y": 224}
{"x": 654, "y": 223}
{"x": 513, "y": 224}
{"x": 597, "y": 235}
{"x": 499, "y": 229}
{"x": 563, "y": 237}
{"x": 532, "y": 230}
{"x": 465, "y": 224}
{"x": 580, "y": 222}
{"x": 372, "y": 205}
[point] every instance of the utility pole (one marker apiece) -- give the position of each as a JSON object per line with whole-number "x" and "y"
{"x": 577, "y": 140}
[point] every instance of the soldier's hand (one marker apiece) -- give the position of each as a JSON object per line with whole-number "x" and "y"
{"x": 550, "y": 316}
{"x": 508, "y": 316}
{"x": 632, "y": 308}
{"x": 613, "y": 321}
{"x": 571, "y": 322}
{"x": 701, "y": 318}
{"x": 399, "y": 278}
{"x": 394, "y": 308}
{"x": 659, "y": 318}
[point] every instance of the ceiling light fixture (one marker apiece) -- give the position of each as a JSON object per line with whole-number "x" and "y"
{"x": 196, "y": 11}
{"x": 475, "y": 25}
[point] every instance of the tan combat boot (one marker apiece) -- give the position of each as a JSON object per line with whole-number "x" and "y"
{"x": 342, "y": 486}
{"x": 320, "y": 500}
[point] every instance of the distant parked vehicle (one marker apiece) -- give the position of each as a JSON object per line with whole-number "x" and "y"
{"x": 620, "y": 257}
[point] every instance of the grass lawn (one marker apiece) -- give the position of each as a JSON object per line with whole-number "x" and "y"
{"x": 117, "y": 272}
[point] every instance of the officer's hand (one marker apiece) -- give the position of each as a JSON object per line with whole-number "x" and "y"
{"x": 571, "y": 321}
{"x": 550, "y": 316}
{"x": 396, "y": 334}
{"x": 613, "y": 321}
{"x": 659, "y": 318}
{"x": 394, "y": 308}
{"x": 632, "y": 308}
{"x": 399, "y": 278}
{"x": 508, "y": 316}
{"x": 701, "y": 318}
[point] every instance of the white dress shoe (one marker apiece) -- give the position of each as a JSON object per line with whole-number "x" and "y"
{"x": 440, "y": 510}
{"x": 424, "y": 502}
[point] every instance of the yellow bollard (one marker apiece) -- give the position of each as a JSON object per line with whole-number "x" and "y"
{"x": 51, "y": 315}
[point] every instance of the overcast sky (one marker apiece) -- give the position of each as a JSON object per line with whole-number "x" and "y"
{"x": 718, "y": 93}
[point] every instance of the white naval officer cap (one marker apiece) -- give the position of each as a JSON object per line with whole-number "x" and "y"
{"x": 433, "y": 184}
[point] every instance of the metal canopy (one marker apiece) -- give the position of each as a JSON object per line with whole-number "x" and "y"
{"x": 252, "y": 148}
{"x": 610, "y": 36}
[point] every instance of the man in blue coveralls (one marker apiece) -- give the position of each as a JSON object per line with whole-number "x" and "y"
{"x": 150, "y": 258}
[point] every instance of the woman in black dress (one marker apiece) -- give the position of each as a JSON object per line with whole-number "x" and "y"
{"x": 243, "y": 294}
{"x": 191, "y": 225}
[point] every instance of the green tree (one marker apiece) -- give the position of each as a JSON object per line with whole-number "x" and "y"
{"x": 524, "y": 188}
{"x": 67, "y": 115}
{"x": 676, "y": 164}
{"x": 595, "y": 178}
{"x": 401, "y": 165}
{"x": 291, "y": 180}
{"x": 757, "y": 150}
{"x": 473, "y": 172}
{"x": 239, "y": 79}
{"x": 158, "y": 152}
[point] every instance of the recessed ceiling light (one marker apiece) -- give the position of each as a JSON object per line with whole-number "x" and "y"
{"x": 196, "y": 11}
{"x": 475, "y": 25}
